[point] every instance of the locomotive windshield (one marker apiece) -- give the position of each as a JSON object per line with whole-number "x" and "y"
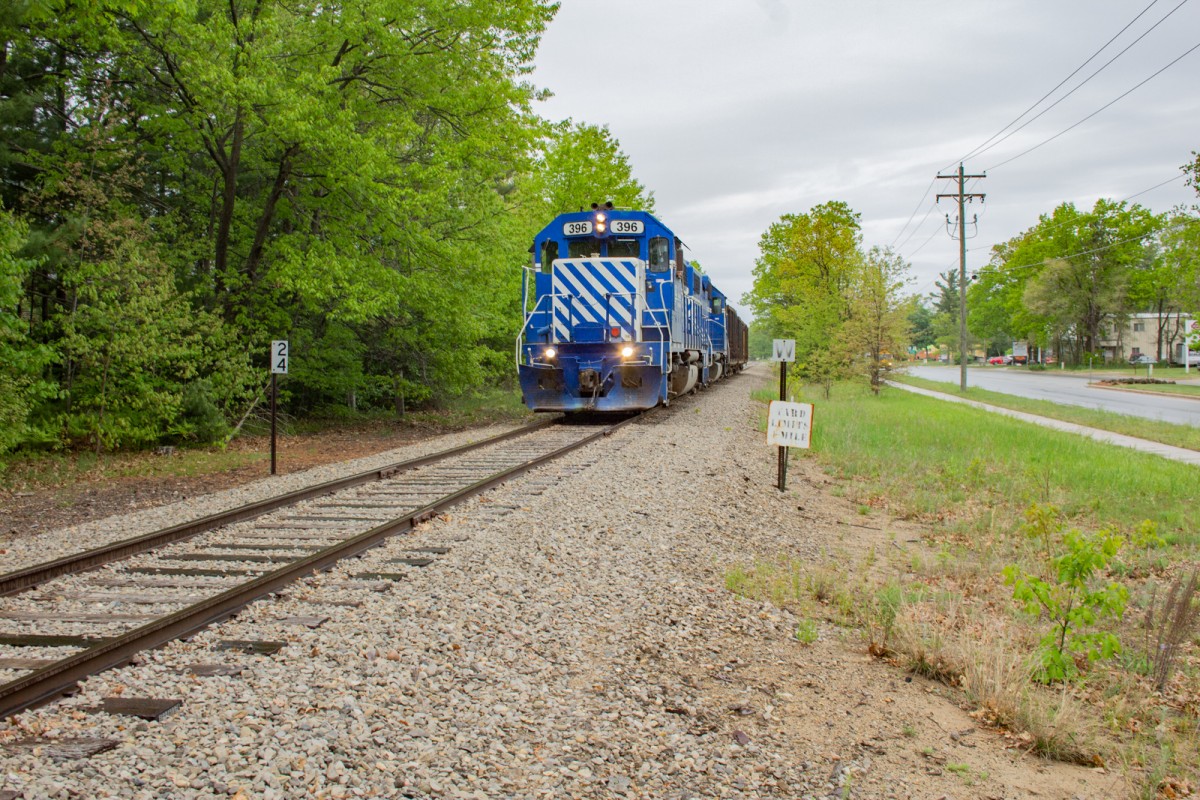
{"x": 582, "y": 248}
{"x": 623, "y": 248}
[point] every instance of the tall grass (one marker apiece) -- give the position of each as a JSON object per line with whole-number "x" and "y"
{"x": 924, "y": 458}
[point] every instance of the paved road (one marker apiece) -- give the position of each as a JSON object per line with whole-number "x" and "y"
{"x": 1068, "y": 389}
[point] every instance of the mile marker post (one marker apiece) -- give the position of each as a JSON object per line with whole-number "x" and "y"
{"x": 279, "y": 366}
{"x": 784, "y": 351}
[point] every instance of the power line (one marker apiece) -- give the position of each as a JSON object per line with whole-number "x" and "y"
{"x": 1155, "y": 186}
{"x": 985, "y": 146}
{"x": 1109, "y": 246}
{"x": 916, "y": 230}
{"x": 1055, "y": 226}
{"x": 915, "y": 210}
{"x": 1097, "y": 111}
{"x": 936, "y": 231}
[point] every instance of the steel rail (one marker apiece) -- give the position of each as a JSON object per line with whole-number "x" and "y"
{"x": 30, "y": 577}
{"x": 50, "y": 681}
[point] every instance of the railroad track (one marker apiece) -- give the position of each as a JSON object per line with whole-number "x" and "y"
{"x": 187, "y": 577}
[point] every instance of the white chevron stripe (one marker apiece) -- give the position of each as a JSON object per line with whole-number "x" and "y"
{"x": 579, "y": 286}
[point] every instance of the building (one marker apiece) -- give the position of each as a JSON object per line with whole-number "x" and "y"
{"x": 1139, "y": 335}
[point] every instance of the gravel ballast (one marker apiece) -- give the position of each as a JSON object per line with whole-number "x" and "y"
{"x": 576, "y": 640}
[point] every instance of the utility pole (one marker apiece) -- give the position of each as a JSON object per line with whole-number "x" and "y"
{"x": 963, "y": 197}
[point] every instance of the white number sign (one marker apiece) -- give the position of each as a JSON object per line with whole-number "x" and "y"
{"x": 789, "y": 424}
{"x": 628, "y": 226}
{"x": 785, "y": 350}
{"x": 577, "y": 228}
{"x": 279, "y": 356}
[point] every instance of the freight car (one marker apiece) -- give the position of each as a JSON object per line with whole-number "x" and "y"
{"x": 615, "y": 319}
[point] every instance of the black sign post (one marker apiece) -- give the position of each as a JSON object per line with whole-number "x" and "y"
{"x": 279, "y": 366}
{"x": 783, "y": 451}
{"x": 784, "y": 350}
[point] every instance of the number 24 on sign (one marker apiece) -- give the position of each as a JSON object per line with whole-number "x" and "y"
{"x": 789, "y": 424}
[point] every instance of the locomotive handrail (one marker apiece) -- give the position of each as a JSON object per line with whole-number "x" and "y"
{"x": 525, "y": 327}
{"x": 658, "y": 319}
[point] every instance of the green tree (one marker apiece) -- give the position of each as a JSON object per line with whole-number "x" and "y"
{"x": 128, "y": 342}
{"x": 22, "y": 361}
{"x": 877, "y": 322}
{"x": 920, "y": 325}
{"x": 802, "y": 278}
{"x": 1067, "y": 280}
{"x": 1084, "y": 288}
{"x": 947, "y": 312}
{"x": 338, "y": 176}
{"x": 1170, "y": 284}
{"x": 580, "y": 164}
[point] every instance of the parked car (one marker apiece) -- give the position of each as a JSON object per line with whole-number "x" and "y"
{"x": 1000, "y": 360}
{"x": 1193, "y": 358}
{"x": 1142, "y": 358}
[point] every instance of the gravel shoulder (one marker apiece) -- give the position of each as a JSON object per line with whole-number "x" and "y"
{"x": 576, "y": 641}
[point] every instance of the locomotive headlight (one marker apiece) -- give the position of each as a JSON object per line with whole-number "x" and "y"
{"x": 600, "y": 226}
{"x": 626, "y": 351}
{"x": 600, "y": 218}
{"x": 549, "y": 353}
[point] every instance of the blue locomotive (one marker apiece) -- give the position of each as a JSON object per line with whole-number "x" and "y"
{"x": 616, "y": 320}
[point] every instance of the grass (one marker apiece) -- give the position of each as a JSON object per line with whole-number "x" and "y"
{"x": 1179, "y": 389}
{"x": 939, "y": 608}
{"x": 1187, "y": 436}
{"x": 923, "y": 458}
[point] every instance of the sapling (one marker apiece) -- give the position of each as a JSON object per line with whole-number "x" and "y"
{"x": 1074, "y": 602}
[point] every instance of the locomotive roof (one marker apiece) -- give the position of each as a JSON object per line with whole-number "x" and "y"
{"x": 554, "y": 229}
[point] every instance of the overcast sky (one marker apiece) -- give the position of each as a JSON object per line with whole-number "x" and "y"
{"x": 735, "y": 112}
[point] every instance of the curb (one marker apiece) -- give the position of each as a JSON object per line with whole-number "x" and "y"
{"x": 1143, "y": 391}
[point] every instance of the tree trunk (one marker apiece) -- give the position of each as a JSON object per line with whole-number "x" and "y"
{"x": 268, "y": 212}
{"x": 229, "y": 175}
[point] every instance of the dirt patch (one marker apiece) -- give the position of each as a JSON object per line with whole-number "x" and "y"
{"x": 92, "y": 497}
{"x": 859, "y": 725}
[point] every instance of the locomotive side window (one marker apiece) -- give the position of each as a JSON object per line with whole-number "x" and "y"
{"x": 549, "y": 253}
{"x": 716, "y": 305}
{"x": 623, "y": 248}
{"x": 660, "y": 254}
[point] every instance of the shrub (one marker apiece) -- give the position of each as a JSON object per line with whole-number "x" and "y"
{"x": 1074, "y": 603}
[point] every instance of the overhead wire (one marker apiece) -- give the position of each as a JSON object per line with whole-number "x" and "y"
{"x": 985, "y": 146}
{"x": 1177, "y": 226}
{"x": 1125, "y": 94}
{"x": 1125, "y": 199}
{"x": 914, "y": 213}
{"x": 927, "y": 241}
{"x": 1158, "y": 185}
{"x": 916, "y": 230}
{"x": 1155, "y": 186}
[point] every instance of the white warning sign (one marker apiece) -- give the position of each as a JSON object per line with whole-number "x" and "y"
{"x": 789, "y": 424}
{"x": 785, "y": 350}
{"x": 279, "y": 356}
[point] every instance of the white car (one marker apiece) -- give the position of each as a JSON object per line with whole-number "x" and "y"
{"x": 1193, "y": 358}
